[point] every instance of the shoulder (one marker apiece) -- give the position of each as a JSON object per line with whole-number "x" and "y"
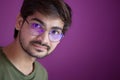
{"x": 41, "y": 71}
{"x": 39, "y": 66}
{"x": 2, "y": 56}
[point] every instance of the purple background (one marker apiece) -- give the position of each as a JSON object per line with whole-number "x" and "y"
{"x": 91, "y": 48}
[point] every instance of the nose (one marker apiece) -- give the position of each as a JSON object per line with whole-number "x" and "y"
{"x": 44, "y": 38}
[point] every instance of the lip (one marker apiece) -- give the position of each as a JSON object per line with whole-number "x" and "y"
{"x": 39, "y": 47}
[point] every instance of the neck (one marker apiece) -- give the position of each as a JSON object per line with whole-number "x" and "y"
{"x": 19, "y": 58}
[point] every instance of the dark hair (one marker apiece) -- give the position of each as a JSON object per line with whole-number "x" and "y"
{"x": 48, "y": 8}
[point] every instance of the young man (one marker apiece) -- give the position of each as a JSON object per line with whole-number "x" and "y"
{"x": 39, "y": 28}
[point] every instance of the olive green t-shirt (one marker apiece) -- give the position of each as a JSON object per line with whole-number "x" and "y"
{"x": 9, "y": 72}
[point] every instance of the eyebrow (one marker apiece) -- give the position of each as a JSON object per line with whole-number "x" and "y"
{"x": 41, "y": 22}
{"x": 55, "y": 27}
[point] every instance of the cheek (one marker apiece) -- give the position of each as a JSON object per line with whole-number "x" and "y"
{"x": 53, "y": 46}
{"x": 25, "y": 37}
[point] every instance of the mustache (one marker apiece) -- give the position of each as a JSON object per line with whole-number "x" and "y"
{"x": 40, "y": 43}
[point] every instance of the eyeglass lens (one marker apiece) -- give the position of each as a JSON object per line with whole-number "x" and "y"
{"x": 37, "y": 29}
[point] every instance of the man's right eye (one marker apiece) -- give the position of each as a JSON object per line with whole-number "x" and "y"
{"x": 36, "y": 26}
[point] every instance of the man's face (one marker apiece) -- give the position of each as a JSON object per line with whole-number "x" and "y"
{"x": 38, "y": 43}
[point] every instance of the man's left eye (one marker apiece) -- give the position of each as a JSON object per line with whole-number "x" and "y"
{"x": 56, "y": 32}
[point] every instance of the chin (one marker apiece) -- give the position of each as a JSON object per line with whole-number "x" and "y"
{"x": 40, "y": 54}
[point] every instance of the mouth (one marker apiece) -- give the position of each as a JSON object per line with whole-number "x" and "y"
{"x": 40, "y": 47}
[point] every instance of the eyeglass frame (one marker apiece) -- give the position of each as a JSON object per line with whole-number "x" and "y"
{"x": 50, "y": 37}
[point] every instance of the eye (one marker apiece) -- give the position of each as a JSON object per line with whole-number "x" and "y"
{"x": 36, "y": 26}
{"x": 56, "y": 32}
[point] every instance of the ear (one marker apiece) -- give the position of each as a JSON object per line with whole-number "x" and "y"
{"x": 19, "y": 22}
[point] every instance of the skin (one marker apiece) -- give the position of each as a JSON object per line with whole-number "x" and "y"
{"x": 24, "y": 50}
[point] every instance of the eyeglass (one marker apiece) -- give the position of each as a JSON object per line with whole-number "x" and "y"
{"x": 37, "y": 29}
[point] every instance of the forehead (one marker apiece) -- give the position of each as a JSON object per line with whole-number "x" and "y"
{"x": 48, "y": 21}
